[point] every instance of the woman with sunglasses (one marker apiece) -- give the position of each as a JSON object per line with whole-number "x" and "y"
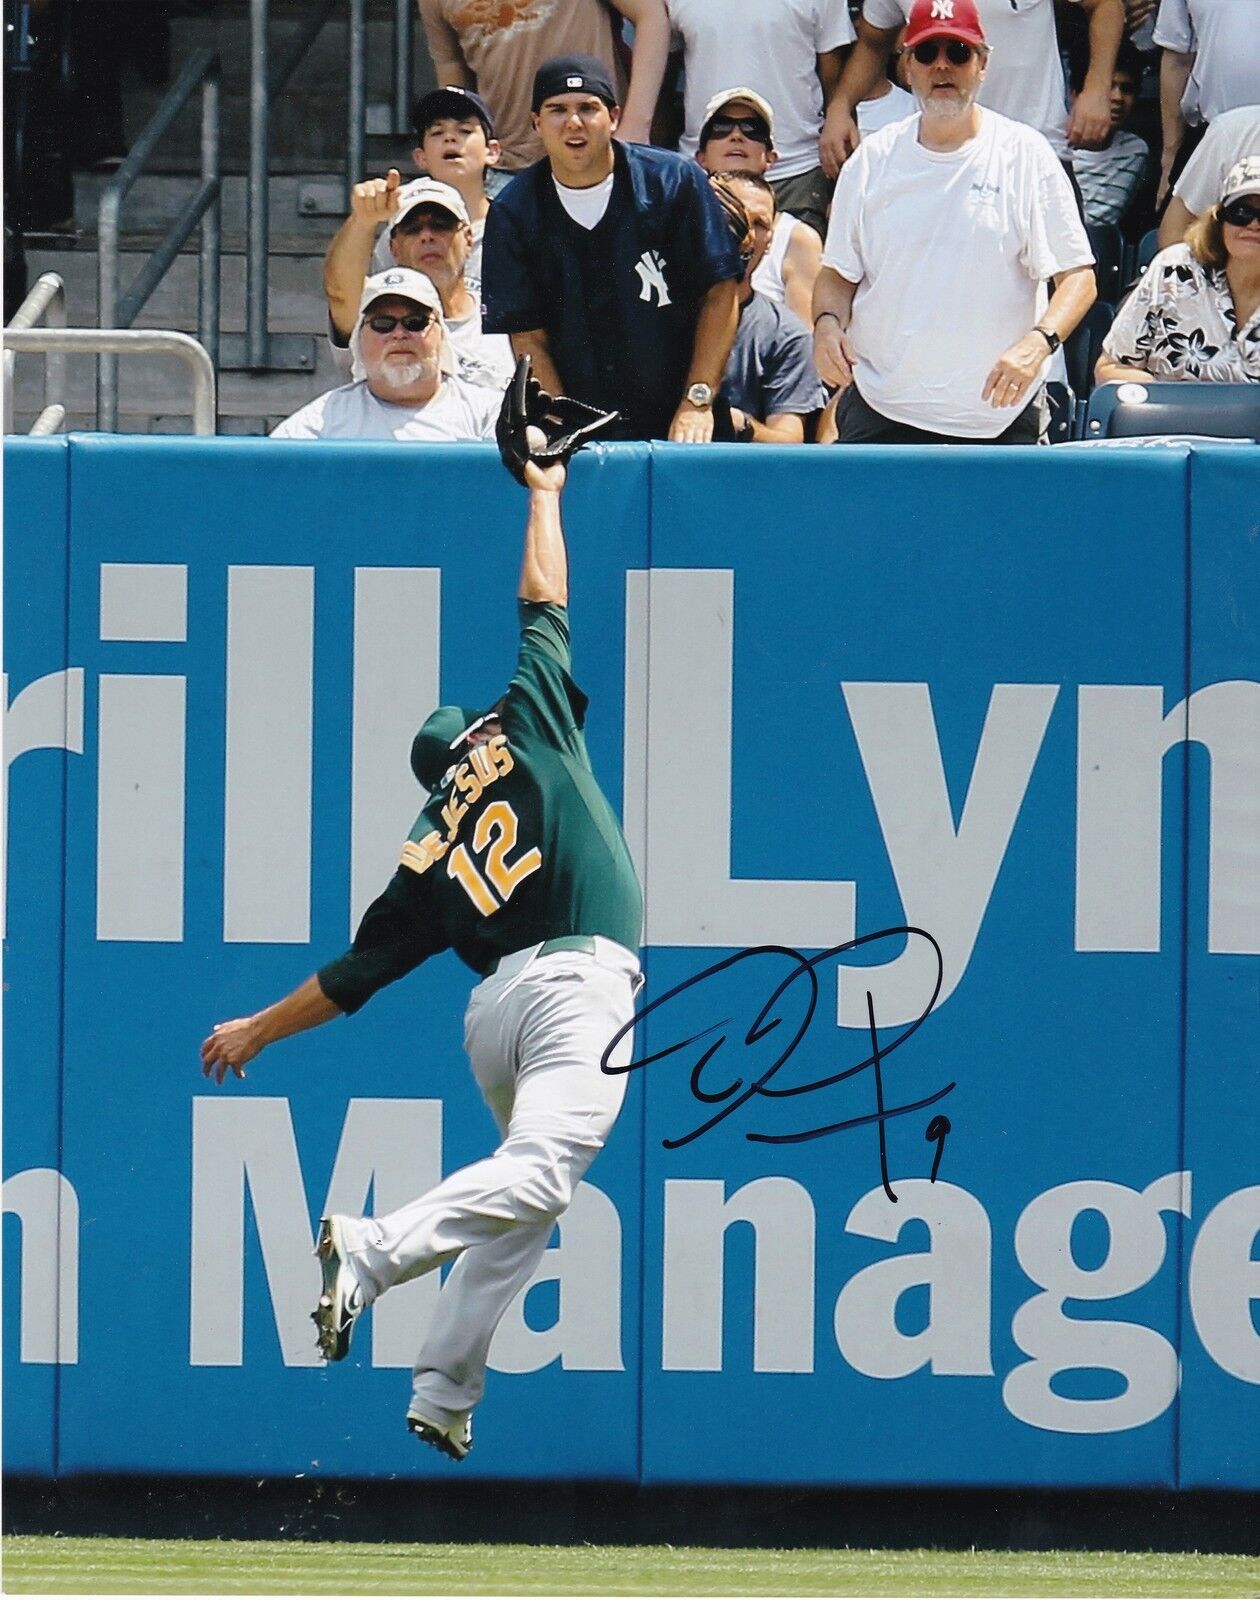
{"x": 1195, "y": 314}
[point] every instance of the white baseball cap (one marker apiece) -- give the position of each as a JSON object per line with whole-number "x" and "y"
{"x": 1243, "y": 178}
{"x": 403, "y": 283}
{"x": 429, "y": 192}
{"x": 758, "y": 102}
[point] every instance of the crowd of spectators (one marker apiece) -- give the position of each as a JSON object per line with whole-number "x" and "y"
{"x": 879, "y": 226}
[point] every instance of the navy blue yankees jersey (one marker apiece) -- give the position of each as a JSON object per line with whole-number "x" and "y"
{"x": 619, "y": 302}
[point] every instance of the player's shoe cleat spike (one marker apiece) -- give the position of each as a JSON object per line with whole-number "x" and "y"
{"x": 453, "y": 1439}
{"x": 341, "y": 1299}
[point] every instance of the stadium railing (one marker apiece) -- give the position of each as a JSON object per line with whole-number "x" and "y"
{"x": 115, "y": 311}
{"x": 46, "y": 300}
{"x": 60, "y": 342}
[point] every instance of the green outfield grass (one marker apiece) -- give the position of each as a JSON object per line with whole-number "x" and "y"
{"x": 201, "y": 1566}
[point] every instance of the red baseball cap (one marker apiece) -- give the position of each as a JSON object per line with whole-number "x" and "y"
{"x": 944, "y": 19}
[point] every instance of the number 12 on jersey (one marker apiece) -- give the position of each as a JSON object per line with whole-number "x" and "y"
{"x": 494, "y": 836}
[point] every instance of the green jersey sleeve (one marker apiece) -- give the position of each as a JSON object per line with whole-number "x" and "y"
{"x": 397, "y": 933}
{"x": 542, "y": 698}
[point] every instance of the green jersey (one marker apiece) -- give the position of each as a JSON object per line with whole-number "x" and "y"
{"x": 516, "y": 845}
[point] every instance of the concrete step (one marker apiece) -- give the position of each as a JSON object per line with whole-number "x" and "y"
{"x": 157, "y": 198}
{"x": 85, "y": 422}
{"x": 309, "y": 119}
{"x": 295, "y": 289}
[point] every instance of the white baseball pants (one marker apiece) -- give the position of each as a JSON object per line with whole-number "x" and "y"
{"x": 535, "y": 1032}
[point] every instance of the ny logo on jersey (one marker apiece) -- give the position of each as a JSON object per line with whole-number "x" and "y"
{"x": 651, "y": 269}
{"x": 942, "y": 10}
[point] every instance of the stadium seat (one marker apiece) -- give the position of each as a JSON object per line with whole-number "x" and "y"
{"x": 1147, "y": 250}
{"x": 1081, "y": 350}
{"x": 1107, "y": 243}
{"x": 1062, "y": 427}
{"x": 1132, "y": 410}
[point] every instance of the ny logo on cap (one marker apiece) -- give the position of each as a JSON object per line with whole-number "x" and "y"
{"x": 573, "y": 83}
{"x": 393, "y": 277}
{"x": 942, "y": 10}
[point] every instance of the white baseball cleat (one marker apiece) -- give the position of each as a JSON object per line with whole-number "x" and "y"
{"x": 341, "y": 1298}
{"x": 453, "y": 1439}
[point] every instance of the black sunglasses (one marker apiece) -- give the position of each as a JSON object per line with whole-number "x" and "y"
{"x": 957, "y": 51}
{"x": 1239, "y": 213}
{"x": 751, "y": 127}
{"x": 414, "y": 322}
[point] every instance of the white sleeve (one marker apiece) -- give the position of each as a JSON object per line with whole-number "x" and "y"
{"x": 1173, "y": 28}
{"x": 885, "y": 13}
{"x": 382, "y": 255}
{"x": 303, "y": 424}
{"x": 842, "y": 249}
{"x": 833, "y": 27}
{"x": 1056, "y": 240}
{"x": 1231, "y": 137}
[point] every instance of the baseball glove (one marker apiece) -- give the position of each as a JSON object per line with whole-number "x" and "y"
{"x": 536, "y": 426}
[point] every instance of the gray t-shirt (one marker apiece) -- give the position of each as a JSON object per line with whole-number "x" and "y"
{"x": 771, "y": 366}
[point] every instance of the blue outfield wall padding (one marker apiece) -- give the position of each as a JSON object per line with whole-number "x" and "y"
{"x": 1220, "y": 1427}
{"x": 42, "y": 710}
{"x": 901, "y": 652}
{"x": 835, "y": 695}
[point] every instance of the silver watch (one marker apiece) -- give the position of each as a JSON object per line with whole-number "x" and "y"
{"x": 701, "y": 395}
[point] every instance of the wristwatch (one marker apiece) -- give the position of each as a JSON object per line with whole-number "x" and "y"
{"x": 701, "y": 395}
{"x": 1052, "y": 339}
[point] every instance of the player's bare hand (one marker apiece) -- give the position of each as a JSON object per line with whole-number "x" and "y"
{"x": 375, "y": 200}
{"x": 1090, "y": 121}
{"x": 838, "y": 140}
{"x": 692, "y": 424}
{"x": 1137, "y": 11}
{"x": 833, "y": 353}
{"x": 228, "y": 1048}
{"x": 1015, "y": 371}
{"x": 549, "y": 479}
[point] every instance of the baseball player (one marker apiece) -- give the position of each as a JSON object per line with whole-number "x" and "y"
{"x": 517, "y": 863}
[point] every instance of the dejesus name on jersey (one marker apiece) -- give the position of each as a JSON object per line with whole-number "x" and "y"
{"x": 516, "y": 845}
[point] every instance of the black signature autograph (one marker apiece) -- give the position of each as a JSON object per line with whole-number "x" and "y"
{"x": 736, "y": 1093}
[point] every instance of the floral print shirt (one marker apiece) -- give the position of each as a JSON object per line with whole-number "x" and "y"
{"x": 1179, "y": 323}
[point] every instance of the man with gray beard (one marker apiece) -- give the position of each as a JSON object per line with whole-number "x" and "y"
{"x": 412, "y": 390}
{"x": 930, "y": 309}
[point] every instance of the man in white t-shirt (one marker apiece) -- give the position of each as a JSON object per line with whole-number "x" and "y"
{"x": 788, "y": 52}
{"x": 929, "y": 310}
{"x": 430, "y": 231}
{"x": 1233, "y": 136}
{"x": 738, "y": 136}
{"x": 1211, "y": 64}
{"x": 411, "y": 389}
{"x": 1025, "y": 83}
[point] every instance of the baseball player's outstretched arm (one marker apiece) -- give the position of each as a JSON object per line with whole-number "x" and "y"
{"x": 545, "y": 562}
{"x": 234, "y": 1043}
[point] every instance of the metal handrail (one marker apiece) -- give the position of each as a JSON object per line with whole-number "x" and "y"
{"x": 265, "y": 86}
{"x": 47, "y": 298}
{"x": 129, "y": 341}
{"x": 404, "y": 49}
{"x": 115, "y": 311}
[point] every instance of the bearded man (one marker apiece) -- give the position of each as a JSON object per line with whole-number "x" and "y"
{"x": 412, "y": 390}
